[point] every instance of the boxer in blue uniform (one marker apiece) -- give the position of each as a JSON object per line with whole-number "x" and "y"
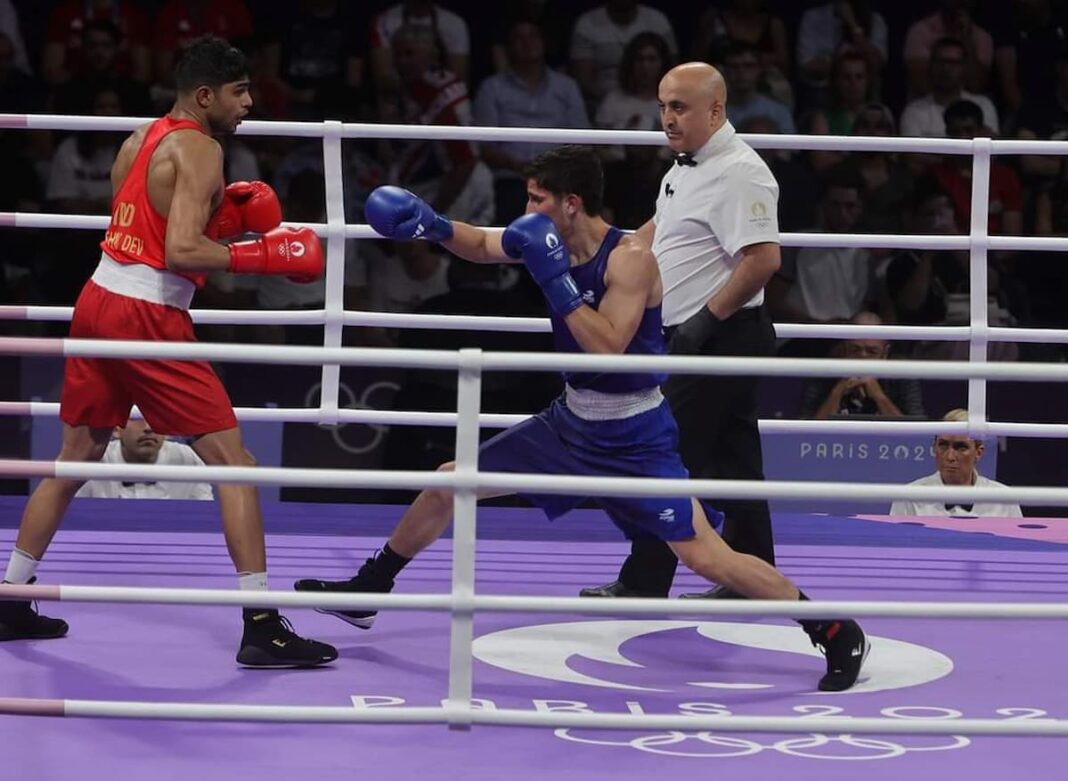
{"x": 604, "y": 291}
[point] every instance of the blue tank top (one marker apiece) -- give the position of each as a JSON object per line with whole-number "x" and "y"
{"x": 648, "y": 339}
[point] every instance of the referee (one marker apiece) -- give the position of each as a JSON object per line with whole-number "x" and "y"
{"x": 716, "y": 237}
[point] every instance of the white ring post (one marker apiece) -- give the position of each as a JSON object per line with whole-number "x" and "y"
{"x": 465, "y": 498}
{"x": 980, "y": 322}
{"x": 334, "y": 301}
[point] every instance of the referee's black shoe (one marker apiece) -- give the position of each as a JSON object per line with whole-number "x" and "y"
{"x": 618, "y": 589}
{"x": 846, "y": 647}
{"x": 361, "y": 583}
{"x": 269, "y": 641}
{"x": 20, "y": 621}
{"x": 719, "y": 592}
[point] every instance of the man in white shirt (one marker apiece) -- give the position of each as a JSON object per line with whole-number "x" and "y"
{"x": 957, "y": 457}
{"x": 715, "y": 236}
{"x": 827, "y": 284}
{"x": 138, "y": 444}
{"x": 925, "y": 116}
{"x": 448, "y": 28}
{"x": 601, "y": 34}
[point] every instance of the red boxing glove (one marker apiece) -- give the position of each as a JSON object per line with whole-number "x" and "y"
{"x": 292, "y": 252}
{"x": 246, "y": 206}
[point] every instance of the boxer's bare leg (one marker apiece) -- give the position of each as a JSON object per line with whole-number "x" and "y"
{"x": 239, "y": 504}
{"x": 42, "y": 516}
{"x": 713, "y": 559}
{"x": 45, "y": 509}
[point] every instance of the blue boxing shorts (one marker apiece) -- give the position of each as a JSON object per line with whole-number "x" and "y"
{"x": 558, "y": 442}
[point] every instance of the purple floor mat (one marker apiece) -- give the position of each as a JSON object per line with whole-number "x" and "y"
{"x": 919, "y": 669}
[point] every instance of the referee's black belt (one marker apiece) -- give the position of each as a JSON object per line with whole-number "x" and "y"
{"x": 744, "y": 314}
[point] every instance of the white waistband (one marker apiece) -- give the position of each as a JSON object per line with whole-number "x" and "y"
{"x": 136, "y": 280}
{"x": 596, "y": 405}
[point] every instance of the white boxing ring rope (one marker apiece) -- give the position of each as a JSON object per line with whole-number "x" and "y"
{"x": 458, "y": 709}
{"x": 1031, "y": 372}
{"x": 463, "y": 718}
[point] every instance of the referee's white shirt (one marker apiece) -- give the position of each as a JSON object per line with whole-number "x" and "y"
{"x": 171, "y": 454}
{"x": 705, "y": 215}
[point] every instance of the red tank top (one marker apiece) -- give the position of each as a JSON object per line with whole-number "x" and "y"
{"x": 137, "y": 233}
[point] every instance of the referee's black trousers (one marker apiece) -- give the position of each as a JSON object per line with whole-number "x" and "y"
{"x": 718, "y": 438}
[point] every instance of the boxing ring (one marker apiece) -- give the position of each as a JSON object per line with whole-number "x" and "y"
{"x": 636, "y": 686}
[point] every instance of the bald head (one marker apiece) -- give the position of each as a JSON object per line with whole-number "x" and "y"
{"x": 698, "y": 79}
{"x": 866, "y": 318}
{"x": 692, "y": 98}
{"x": 877, "y": 349}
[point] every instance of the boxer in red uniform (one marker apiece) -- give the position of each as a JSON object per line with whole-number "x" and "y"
{"x": 169, "y": 208}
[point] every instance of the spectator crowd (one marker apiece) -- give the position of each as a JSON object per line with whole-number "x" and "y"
{"x": 954, "y": 68}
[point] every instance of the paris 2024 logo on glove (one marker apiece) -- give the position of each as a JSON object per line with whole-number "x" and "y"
{"x": 294, "y": 249}
{"x": 556, "y": 249}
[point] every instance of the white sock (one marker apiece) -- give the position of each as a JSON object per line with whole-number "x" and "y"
{"x": 21, "y": 568}
{"x": 252, "y": 581}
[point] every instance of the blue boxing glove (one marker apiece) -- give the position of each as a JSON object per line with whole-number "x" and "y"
{"x": 533, "y": 238}
{"x": 399, "y": 214}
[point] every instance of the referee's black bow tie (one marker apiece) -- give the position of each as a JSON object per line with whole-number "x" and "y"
{"x": 966, "y": 507}
{"x": 132, "y": 483}
{"x": 684, "y": 158}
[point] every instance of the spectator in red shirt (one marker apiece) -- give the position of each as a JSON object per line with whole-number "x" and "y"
{"x": 448, "y": 174}
{"x": 964, "y": 119}
{"x": 63, "y": 54}
{"x": 100, "y": 50}
{"x": 180, "y": 22}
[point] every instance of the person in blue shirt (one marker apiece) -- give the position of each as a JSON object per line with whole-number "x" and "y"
{"x": 528, "y": 93}
{"x": 604, "y": 293}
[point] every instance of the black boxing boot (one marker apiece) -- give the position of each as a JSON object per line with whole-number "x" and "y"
{"x": 19, "y": 620}
{"x": 269, "y": 641}
{"x": 375, "y": 577}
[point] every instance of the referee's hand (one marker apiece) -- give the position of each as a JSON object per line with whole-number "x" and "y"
{"x": 696, "y": 332}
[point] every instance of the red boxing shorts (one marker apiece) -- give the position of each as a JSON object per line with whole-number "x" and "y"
{"x": 183, "y": 398}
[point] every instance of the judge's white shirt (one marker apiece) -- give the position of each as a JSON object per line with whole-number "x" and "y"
{"x": 171, "y": 454}
{"x": 939, "y": 509}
